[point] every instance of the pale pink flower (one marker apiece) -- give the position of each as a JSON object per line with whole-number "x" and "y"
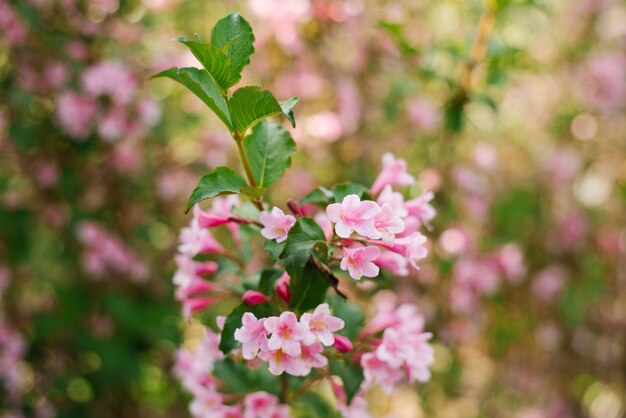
{"x": 113, "y": 125}
{"x": 377, "y": 371}
{"x": 112, "y": 79}
{"x": 393, "y": 173}
{"x": 455, "y": 241}
{"x": 411, "y": 247}
{"x": 387, "y": 224}
{"x": 286, "y": 332}
{"x": 511, "y": 260}
{"x": 359, "y": 261}
{"x": 280, "y": 362}
{"x": 321, "y": 325}
{"x": 352, "y": 215}
{"x": 252, "y": 335}
{"x": 421, "y": 209}
{"x": 276, "y": 225}
{"x": 394, "y": 262}
{"x": 481, "y": 276}
{"x": 549, "y": 282}
{"x": 358, "y": 408}
{"x": 312, "y": 357}
{"x": 220, "y": 213}
{"x": 395, "y": 199}
{"x": 324, "y": 222}
{"x": 604, "y": 81}
{"x": 194, "y": 240}
{"x": 423, "y": 113}
{"x": 75, "y": 114}
{"x": 264, "y": 405}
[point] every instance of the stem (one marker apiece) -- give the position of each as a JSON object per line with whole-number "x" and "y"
{"x": 284, "y": 389}
{"x": 246, "y": 166}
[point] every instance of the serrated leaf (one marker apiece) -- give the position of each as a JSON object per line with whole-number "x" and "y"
{"x": 214, "y": 61}
{"x": 269, "y": 147}
{"x": 344, "y": 189}
{"x": 287, "y": 107}
{"x": 249, "y": 105}
{"x": 319, "y": 196}
{"x": 301, "y": 241}
{"x": 308, "y": 290}
{"x": 200, "y": 83}
{"x": 219, "y": 181}
{"x": 234, "y": 36}
{"x": 351, "y": 375}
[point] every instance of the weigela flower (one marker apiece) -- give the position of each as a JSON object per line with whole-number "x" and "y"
{"x": 321, "y": 325}
{"x": 393, "y": 173}
{"x": 280, "y": 362}
{"x": 264, "y": 405}
{"x": 276, "y": 225}
{"x": 312, "y": 357}
{"x": 282, "y": 287}
{"x": 342, "y": 344}
{"x": 387, "y": 224}
{"x": 421, "y": 209}
{"x": 359, "y": 261}
{"x": 395, "y": 199}
{"x": 286, "y": 332}
{"x": 252, "y": 335}
{"x": 194, "y": 240}
{"x": 393, "y": 262}
{"x": 411, "y": 247}
{"x": 353, "y": 215}
{"x": 253, "y": 297}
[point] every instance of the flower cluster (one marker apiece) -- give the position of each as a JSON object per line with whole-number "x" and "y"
{"x": 403, "y": 349}
{"x": 126, "y": 115}
{"x": 286, "y": 344}
{"x": 106, "y": 254}
{"x": 194, "y": 368}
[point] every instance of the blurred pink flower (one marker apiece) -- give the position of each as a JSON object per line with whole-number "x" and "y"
{"x": 393, "y": 173}
{"x": 423, "y": 113}
{"x": 603, "y": 80}
{"x": 75, "y": 114}
{"x": 549, "y": 282}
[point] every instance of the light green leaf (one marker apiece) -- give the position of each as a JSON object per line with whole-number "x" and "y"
{"x": 214, "y": 61}
{"x": 250, "y": 104}
{"x": 219, "y": 181}
{"x": 269, "y": 147}
{"x": 287, "y": 107}
{"x": 234, "y": 36}
{"x": 200, "y": 83}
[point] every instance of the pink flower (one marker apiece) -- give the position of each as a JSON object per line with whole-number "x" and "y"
{"x": 220, "y": 213}
{"x": 352, "y": 215}
{"x": 359, "y": 261}
{"x": 395, "y": 199}
{"x": 276, "y": 225}
{"x": 279, "y": 362}
{"x": 110, "y": 78}
{"x": 75, "y": 114}
{"x": 604, "y": 81}
{"x": 286, "y": 332}
{"x": 252, "y": 335}
{"x": 411, "y": 247}
{"x": 387, "y": 224}
{"x": 421, "y": 209}
{"x": 195, "y": 240}
{"x": 393, "y": 262}
{"x": 321, "y": 325}
{"x": 312, "y": 357}
{"x": 342, "y": 344}
{"x": 423, "y": 113}
{"x": 393, "y": 173}
{"x": 264, "y": 405}
{"x": 511, "y": 260}
{"x": 253, "y": 297}
{"x": 113, "y": 125}
{"x": 549, "y": 282}
{"x": 282, "y": 287}
{"x": 377, "y": 371}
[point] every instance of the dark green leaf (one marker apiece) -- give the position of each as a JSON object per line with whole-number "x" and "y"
{"x": 308, "y": 290}
{"x": 352, "y": 315}
{"x": 312, "y": 405}
{"x": 342, "y": 190}
{"x": 200, "y": 83}
{"x": 274, "y": 249}
{"x": 215, "y": 62}
{"x": 240, "y": 378}
{"x": 268, "y": 280}
{"x": 234, "y": 36}
{"x": 303, "y": 237}
{"x": 269, "y": 147}
{"x": 351, "y": 375}
{"x": 250, "y": 104}
{"x": 219, "y": 181}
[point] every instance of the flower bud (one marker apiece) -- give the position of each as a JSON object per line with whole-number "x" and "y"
{"x": 282, "y": 288}
{"x": 343, "y": 344}
{"x": 252, "y": 297}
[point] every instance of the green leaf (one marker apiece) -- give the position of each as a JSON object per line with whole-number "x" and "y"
{"x": 214, "y": 61}
{"x": 287, "y": 108}
{"x": 269, "y": 147}
{"x": 352, "y": 315}
{"x": 240, "y": 378}
{"x": 351, "y": 375}
{"x": 308, "y": 290}
{"x": 233, "y": 36}
{"x": 249, "y": 105}
{"x": 342, "y": 190}
{"x": 219, "y": 181}
{"x": 312, "y": 405}
{"x": 274, "y": 249}
{"x": 268, "y": 280}
{"x": 319, "y": 196}
{"x": 305, "y": 235}
{"x": 200, "y": 83}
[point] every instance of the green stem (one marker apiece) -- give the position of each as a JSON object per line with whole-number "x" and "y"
{"x": 246, "y": 166}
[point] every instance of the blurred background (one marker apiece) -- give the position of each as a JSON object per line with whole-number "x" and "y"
{"x": 511, "y": 111}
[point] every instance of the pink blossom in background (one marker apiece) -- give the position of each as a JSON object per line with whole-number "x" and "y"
{"x": 353, "y": 215}
{"x": 412, "y": 247}
{"x": 12, "y": 28}
{"x": 325, "y": 126}
{"x": 455, "y": 241}
{"x": 549, "y": 282}
{"x": 110, "y": 78}
{"x": 283, "y": 17}
{"x": 485, "y": 156}
{"x": 603, "y": 81}
{"x": 511, "y": 261}
{"x": 75, "y": 114}
{"x": 264, "y": 405}
{"x": 276, "y": 224}
{"x": 421, "y": 209}
{"x": 394, "y": 199}
{"x": 359, "y": 261}
{"x": 423, "y": 113}
{"x": 113, "y": 124}
{"x": 321, "y": 325}
{"x": 561, "y": 166}
{"x": 194, "y": 239}
{"x": 394, "y": 172}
